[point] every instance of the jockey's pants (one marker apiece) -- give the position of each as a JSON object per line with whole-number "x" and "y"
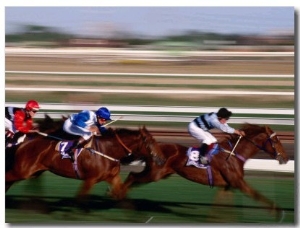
{"x": 201, "y": 135}
{"x": 9, "y": 125}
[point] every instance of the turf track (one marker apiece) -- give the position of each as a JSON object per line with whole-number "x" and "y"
{"x": 50, "y": 200}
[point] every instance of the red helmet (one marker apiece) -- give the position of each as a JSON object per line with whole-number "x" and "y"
{"x": 32, "y": 105}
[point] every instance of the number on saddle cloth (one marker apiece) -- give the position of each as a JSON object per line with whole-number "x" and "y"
{"x": 194, "y": 154}
{"x": 63, "y": 146}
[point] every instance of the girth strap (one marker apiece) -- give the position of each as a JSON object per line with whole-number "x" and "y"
{"x": 210, "y": 177}
{"x": 75, "y": 165}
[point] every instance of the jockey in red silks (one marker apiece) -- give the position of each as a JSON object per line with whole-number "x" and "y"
{"x": 200, "y": 126}
{"x": 18, "y": 121}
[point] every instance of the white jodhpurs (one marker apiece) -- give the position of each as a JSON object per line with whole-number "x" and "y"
{"x": 9, "y": 125}
{"x": 201, "y": 135}
{"x": 76, "y": 130}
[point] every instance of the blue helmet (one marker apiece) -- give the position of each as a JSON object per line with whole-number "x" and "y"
{"x": 104, "y": 113}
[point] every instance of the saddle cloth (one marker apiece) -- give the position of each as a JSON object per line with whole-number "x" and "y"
{"x": 63, "y": 146}
{"x": 194, "y": 154}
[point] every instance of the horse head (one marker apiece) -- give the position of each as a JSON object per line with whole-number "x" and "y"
{"x": 140, "y": 145}
{"x": 49, "y": 125}
{"x": 265, "y": 139}
{"x": 274, "y": 147}
{"x": 152, "y": 146}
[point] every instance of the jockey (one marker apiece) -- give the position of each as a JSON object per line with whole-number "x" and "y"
{"x": 85, "y": 124}
{"x": 18, "y": 121}
{"x": 200, "y": 126}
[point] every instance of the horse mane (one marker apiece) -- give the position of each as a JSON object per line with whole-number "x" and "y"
{"x": 252, "y": 129}
{"x": 249, "y": 129}
{"x": 120, "y": 131}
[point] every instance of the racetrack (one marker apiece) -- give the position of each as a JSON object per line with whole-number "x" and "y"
{"x": 49, "y": 200}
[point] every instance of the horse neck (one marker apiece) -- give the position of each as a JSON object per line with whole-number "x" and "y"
{"x": 111, "y": 146}
{"x": 130, "y": 143}
{"x": 249, "y": 147}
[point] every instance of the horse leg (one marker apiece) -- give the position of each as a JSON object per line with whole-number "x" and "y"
{"x": 220, "y": 212}
{"x": 148, "y": 175}
{"x": 85, "y": 188}
{"x": 10, "y": 178}
{"x": 246, "y": 189}
{"x": 8, "y": 185}
{"x": 116, "y": 191}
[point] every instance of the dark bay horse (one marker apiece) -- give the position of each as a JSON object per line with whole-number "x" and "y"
{"x": 98, "y": 161}
{"x": 224, "y": 170}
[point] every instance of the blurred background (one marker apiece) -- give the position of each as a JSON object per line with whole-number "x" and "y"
{"x": 186, "y": 56}
{"x": 156, "y": 66}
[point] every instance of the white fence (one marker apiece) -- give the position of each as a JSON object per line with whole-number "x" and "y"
{"x": 156, "y": 113}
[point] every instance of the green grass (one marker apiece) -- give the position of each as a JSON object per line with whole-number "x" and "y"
{"x": 49, "y": 200}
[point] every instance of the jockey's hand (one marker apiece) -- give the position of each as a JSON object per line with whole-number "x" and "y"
{"x": 9, "y": 134}
{"x": 94, "y": 129}
{"x": 240, "y": 133}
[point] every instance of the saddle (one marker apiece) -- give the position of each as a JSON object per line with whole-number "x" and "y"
{"x": 194, "y": 158}
{"x": 63, "y": 146}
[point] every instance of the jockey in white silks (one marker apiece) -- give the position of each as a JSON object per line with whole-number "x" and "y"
{"x": 200, "y": 126}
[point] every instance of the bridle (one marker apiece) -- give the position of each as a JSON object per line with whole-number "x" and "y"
{"x": 263, "y": 147}
{"x": 148, "y": 144}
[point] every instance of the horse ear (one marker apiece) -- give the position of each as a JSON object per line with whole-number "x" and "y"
{"x": 48, "y": 118}
{"x": 268, "y": 130}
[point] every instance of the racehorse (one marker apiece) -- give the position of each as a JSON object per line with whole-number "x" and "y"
{"x": 225, "y": 170}
{"x": 45, "y": 126}
{"x": 98, "y": 161}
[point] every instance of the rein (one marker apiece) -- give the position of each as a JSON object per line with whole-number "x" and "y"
{"x": 121, "y": 142}
{"x": 260, "y": 147}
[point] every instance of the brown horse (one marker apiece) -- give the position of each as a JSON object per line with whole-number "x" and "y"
{"x": 98, "y": 161}
{"x": 224, "y": 170}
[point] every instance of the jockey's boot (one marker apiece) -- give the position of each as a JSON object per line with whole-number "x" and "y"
{"x": 77, "y": 144}
{"x": 202, "y": 151}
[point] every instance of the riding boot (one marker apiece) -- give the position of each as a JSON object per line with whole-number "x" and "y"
{"x": 202, "y": 152}
{"x": 77, "y": 144}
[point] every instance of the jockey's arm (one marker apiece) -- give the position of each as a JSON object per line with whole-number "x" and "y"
{"x": 20, "y": 124}
{"x": 94, "y": 129}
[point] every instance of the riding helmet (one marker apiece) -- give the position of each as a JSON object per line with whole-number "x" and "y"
{"x": 224, "y": 113}
{"x": 104, "y": 113}
{"x": 32, "y": 105}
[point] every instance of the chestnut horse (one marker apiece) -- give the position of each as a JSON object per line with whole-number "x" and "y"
{"x": 98, "y": 161}
{"x": 225, "y": 170}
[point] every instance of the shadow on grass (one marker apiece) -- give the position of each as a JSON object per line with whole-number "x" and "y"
{"x": 98, "y": 203}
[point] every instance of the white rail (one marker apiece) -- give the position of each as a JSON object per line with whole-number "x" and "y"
{"x": 157, "y": 112}
{"x": 152, "y": 91}
{"x": 35, "y": 73}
